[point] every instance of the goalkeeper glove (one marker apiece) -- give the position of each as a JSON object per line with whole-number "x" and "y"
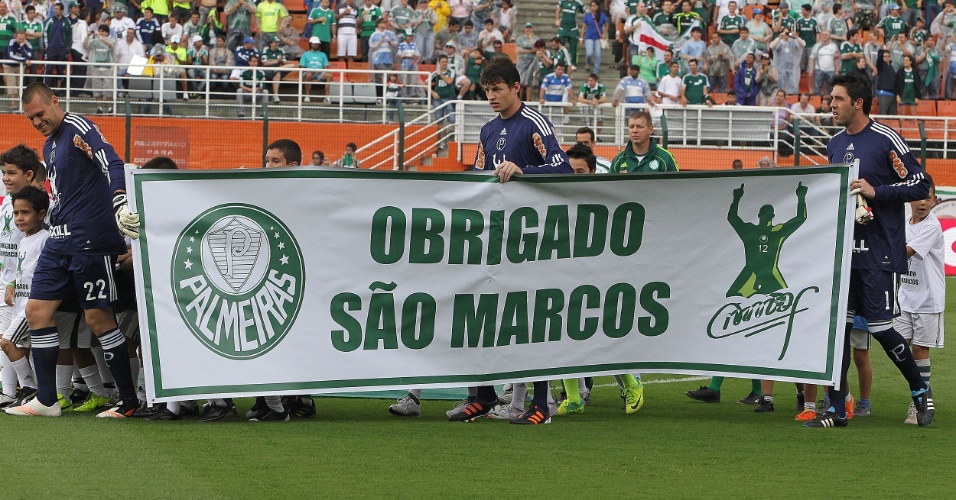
{"x": 864, "y": 213}
{"x": 127, "y": 221}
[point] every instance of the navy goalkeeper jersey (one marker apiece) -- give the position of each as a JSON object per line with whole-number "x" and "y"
{"x": 84, "y": 172}
{"x": 888, "y": 165}
{"x": 526, "y": 139}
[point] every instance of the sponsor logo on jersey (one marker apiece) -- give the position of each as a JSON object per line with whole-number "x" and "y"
{"x": 501, "y": 144}
{"x": 238, "y": 277}
{"x": 503, "y": 131}
{"x": 850, "y": 147}
{"x": 654, "y": 165}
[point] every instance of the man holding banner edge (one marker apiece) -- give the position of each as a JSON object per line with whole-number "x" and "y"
{"x": 521, "y": 136}
{"x": 889, "y": 177}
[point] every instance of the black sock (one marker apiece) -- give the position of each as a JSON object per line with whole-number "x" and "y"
{"x": 45, "y": 350}
{"x": 117, "y": 359}
{"x": 900, "y": 354}
{"x": 837, "y": 397}
{"x": 487, "y": 394}
{"x": 541, "y": 390}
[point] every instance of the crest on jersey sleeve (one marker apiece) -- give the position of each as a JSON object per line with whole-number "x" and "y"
{"x": 539, "y": 145}
{"x": 82, "y": 145}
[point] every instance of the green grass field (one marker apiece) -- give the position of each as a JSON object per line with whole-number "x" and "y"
{"x": 674, "y": 447}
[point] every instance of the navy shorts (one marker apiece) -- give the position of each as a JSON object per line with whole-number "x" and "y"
{"x": 88, "y": 278}
{"x": 873, "y": 295}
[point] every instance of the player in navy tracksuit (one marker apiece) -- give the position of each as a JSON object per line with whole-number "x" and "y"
{"x": 889, "y": 177}
{"x": 518, "y": 141}
{"x": 79, "y": 258}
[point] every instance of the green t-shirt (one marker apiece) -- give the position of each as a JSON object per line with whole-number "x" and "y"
{"x": 631, "y": 6}
{"x": 661, "y": 19}
{"x": 272, "y": 55}
{"x": 367, "y": 17}
{"x": 909, "y": 87}
{"x": 402, "y": 15}
{"x": 918, "y": 35}
{"x": 543, "y": 70}
{"x": 657, "y": 159}
{"x": 891, "y": 26}
{"x": 848, "y": 48}
{"x": 8, "y": 29}
{"x": 837, "y": 28}
{"x": 648, "y": 67}
{"x": 595, "y": 93}
{"x": 807, "y": 29}
{"x": 323, "y": 28}
{"x": 31, "y": 28}
{"x": 695, "y": 87}
{"x": 444, "y": 89}
{"x": 269, "y": 14}
{"x": 789, "y": 22}
{"x": 729, "y": 22}
{"x": 247, "y": 78}
{"x": 569, "y": 15}
{"x": 473, "y": 70}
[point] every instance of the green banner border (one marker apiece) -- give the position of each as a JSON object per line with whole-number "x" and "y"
{"x": 143, "y": 176}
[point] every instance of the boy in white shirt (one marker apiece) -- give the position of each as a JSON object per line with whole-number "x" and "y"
{"x": 922, "y": 294}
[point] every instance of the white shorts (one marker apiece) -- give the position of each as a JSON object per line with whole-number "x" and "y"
{"x": 348, "y": 44}
{"x": 73, "y": 330}
{"x": 19, "y": 334}
{"x": 6, "y": 315}
{"x": 924, "y": 329}
{"x": 860, "y": 339}
{"x": 128, "y": 322}
{"x": 235, "y": 74}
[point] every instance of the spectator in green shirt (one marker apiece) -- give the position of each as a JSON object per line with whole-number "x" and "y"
{"x": 641, "y": 155}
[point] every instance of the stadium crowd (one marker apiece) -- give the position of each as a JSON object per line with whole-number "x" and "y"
{"x": 908, "y": 50}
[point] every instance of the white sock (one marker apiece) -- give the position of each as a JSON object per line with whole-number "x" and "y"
{"x": 275, "y": 403}
{"x": 91, "y": 375}
{"x": 582, "y": 386}
{"x": 77, "y": 376}
{"x": 518, "y": 394}
{"x": 8, "y": 376}
{"x": 64, "y": 380}
{"x": 174, "y": 407}
{"x": 551, "y": 396}
{"x": 105, "y": 374}
{"x": 25, "y": 372}
{"x": 416, "y": 392}
{"x": 217, "y": 402}
{"x": 472, "y": 392}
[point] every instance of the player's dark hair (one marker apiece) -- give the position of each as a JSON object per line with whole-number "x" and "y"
{"x": 321, "y": 154}
{"x": 539, "y": 44}
{"x": 469, "y": 23}
{"x": 500, "y": 70}
{"x": 581, "y": 152}
{"x": 23, "y": 157}
{"x": 556, "y": 39}
{"x": 37, "y": 89}
{"x": 585, "y": 130}
{"x": 837, "y": 7}
{"x": 454, "y": 22}
{"x": 161, "y": 163}
{"x": 30, "y": 8}
{"x": 641, "y": 114}
{"x": 150, "y": 9}
{"x": 929, "y": 180}
{"x": 290, "y": 150}
{"x": 35, "y": 196}
{"x": 595, "y": 76}
{"x": 442, "y": 56}
{"x": 858, "y": 87}
{"x": 352, "y": 146}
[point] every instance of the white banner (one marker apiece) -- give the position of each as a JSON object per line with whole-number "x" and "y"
{"x": 298, "y": 280}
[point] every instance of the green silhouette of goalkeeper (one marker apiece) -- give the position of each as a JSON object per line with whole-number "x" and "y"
{"x": 762, "y": 245}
